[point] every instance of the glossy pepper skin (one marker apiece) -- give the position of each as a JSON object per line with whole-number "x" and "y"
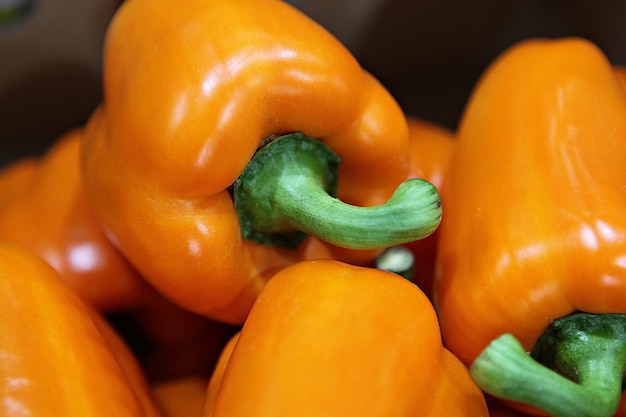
{"x": 534, "y": 227}
{"x": 189, "y": 94}
{"x": 43, "y": 208}
{"x": 334, "y": 339}
{"x": 58, "y": 356}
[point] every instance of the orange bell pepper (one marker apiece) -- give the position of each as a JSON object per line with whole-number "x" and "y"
{"x": 432, "y": 146}
{"x": 534, "y": 230}
{"x": 190, "y": 95}
{"x": 43, "y": 209}
{"x": 326, "y": 338}
{"x": 59, "y": 358}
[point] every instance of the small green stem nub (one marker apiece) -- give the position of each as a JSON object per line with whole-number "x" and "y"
{"x": 287, "y": 191}
{"x": 397, "y": 259}
{"x": 576, "y": 368}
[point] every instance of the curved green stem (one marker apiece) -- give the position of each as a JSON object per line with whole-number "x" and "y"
{"x": 576, "y": 368}
{"x": 287, "y": 191}
{"x": 397, "y": 259}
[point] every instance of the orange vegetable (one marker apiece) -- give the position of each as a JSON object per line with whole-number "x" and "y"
{"x": 43, "y": 209}
{"x": 534, "y": 229}
{"x": 327, "y": 338}
{"x": 190, "y": 94}
{"x": 59, "y": 358}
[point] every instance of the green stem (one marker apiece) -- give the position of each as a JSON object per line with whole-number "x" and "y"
{"x": 287, "y": 191}
{"x": 397, "y": 259}
{"x": 576, "y": 368}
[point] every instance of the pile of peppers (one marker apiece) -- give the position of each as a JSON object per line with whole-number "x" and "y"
{"x": 248, "y": 224}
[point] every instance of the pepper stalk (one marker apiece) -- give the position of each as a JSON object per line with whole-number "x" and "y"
{"x": 576, "y": 368}
{"x": 288, "y": 191}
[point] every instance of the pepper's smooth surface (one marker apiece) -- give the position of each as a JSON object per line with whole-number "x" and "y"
{"x": 57, "y": 356}
{"x": 534, "y": 227}
{"x": 333, "y": 339}
{"x": 43, "y": 208}
{"x": 189, "y": 94}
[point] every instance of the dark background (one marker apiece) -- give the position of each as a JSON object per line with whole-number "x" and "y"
{"x": 427, "y": 53}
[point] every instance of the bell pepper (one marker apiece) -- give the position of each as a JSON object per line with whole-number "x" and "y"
{"x": 326, "y": 338}
{"x": 531, "y": 255}
{"x": 43, "y": 209}
{"x": 176, "y": 168}
{"x": 59, "y": 357}
{"x": 432, "y": 146}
